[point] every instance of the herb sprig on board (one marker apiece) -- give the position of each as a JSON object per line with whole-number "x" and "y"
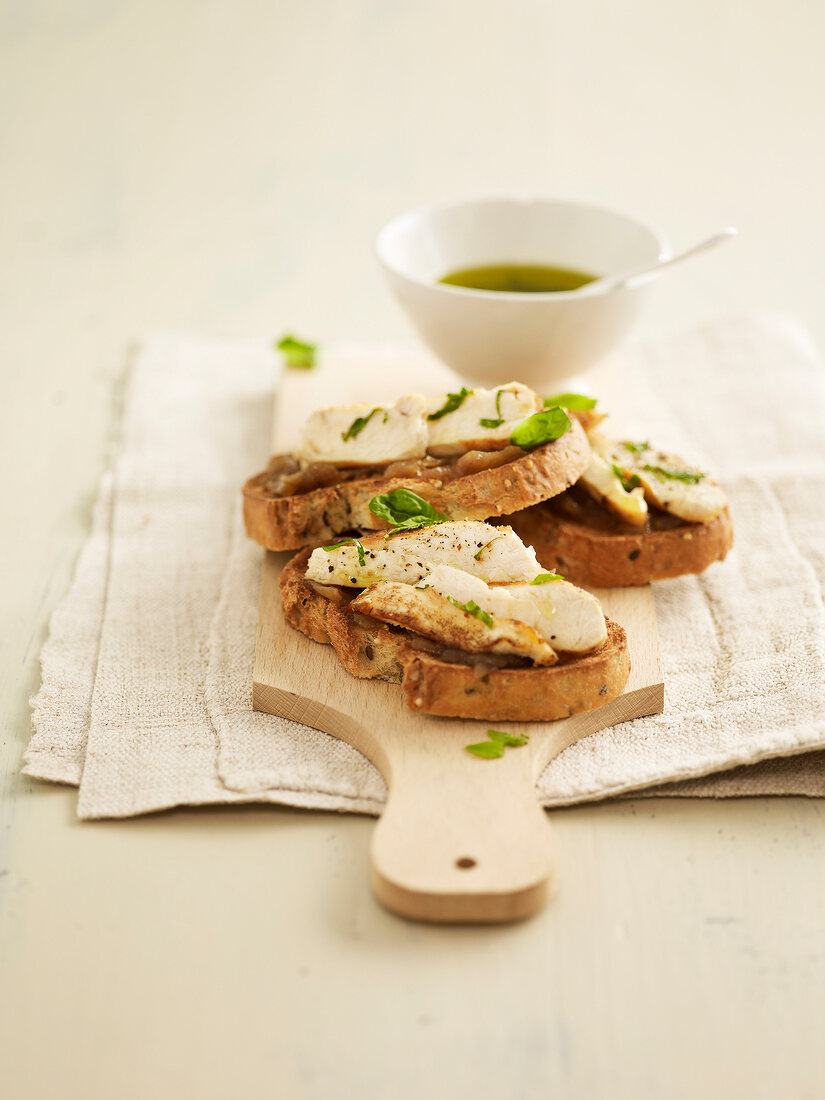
{"x": 298, "y": 354}
{"x": 498, "y": 741}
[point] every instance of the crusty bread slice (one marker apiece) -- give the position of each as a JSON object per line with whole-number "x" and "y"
{"x": 589, "y": 555}
{"x": 448, "y": 683}
{"x": 322, "y": 515}
{"x": 576, "y": 684}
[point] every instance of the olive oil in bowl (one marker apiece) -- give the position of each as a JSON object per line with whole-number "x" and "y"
{"x": 519, "y": 278}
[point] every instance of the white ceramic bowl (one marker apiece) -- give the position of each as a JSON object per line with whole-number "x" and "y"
{"x": 489, "y": 336}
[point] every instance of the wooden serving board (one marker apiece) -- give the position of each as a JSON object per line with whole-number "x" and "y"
{"x": 461, "y": 838}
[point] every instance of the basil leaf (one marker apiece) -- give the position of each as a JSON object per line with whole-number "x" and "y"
{"x": 489, "y": 750}
{"x": 502, "y": 738}
{"x": 675, "y": 475}
{"x": 453, "y": 402}
{"x": 543, "y": 578}
{"x": 486, "y": 546}
{"x": 359, "y": 424}
{"x": 472, "y": 608}
{"x": 494, "y": 748}
{"x": 635, "y": 448}
{"x": 404, "y": 510}
{"x": 628, "y": 483}
{"x": 488, "y": 423}
{"x": 571, "y": 401}
{"x": 297, "y": 353}
{"x": 540, "y": 428}
{"x": 362, "y": 561}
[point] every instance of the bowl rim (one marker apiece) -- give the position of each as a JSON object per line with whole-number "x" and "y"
{"x": 588, "y": 290}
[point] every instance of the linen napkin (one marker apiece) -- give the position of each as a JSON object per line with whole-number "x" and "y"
{"x": 145, "y": 698}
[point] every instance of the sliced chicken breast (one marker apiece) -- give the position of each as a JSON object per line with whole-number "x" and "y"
{"x": 666, "y": 481}
{"x": 565, "y": 616}
{"x": 366, "y": 435}
{"x": 484, "y": 420}
{"x": 490, "y": 553}
{"x": 604, "y": 484}
{"x": 426, "y": 612}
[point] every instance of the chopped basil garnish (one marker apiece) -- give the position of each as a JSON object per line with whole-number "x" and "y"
{"x": 362, "y": 561}
{"x": 360, "y": 423}
{"x": 405, "y": 509}
{"x": 497, "y": 743}
{"x": 635, "y": 448}
{"x": 422, "y": 587}
{"x": 472, "y": 607}
{"x": 543, "y": 578}
{"x": 297, "y": 353}
{"x": 540, "y": 428}
{"x": 488, "y": 423}
{"x": 628, "y": 483}
{"x": 571, "y": 401}
{"x": 486, "y": 546}
{"x": 453, "y": 402}
{"x": 675, "y": 475}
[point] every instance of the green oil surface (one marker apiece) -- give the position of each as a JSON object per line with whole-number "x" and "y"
{"x": 519, "y": 278}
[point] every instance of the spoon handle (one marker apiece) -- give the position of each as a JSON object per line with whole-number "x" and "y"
{"x": 647, "y": 272}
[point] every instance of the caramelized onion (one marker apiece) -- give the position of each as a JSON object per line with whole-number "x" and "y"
{"x": 286, "y": 476}
{"x": 473, "y": 462}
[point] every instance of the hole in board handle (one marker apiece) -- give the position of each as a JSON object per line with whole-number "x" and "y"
{"x": 465, "y": 863}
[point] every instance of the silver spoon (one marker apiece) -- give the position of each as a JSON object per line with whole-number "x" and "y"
{"x": 646, "y": 272}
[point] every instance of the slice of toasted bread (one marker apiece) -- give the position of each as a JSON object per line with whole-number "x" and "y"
{"x": 322, "y": 515}
{"x": 448, "y": 683}
{"x": 603, "y": 558}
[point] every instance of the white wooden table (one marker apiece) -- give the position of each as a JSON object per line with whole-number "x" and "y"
{"x": 222, "y": 168}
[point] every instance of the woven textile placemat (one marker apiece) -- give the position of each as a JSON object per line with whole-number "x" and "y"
{"x": 145, "y": 697}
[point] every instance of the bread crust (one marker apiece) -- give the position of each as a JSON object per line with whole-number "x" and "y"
{"x": 622, "y": 559}
{"x": 322, "y": 515}
{"x": 434, "y": 685}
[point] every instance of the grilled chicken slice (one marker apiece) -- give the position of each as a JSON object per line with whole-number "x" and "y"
{"x": 483, "y": 421}
{"x": 431, "y": 615}
{"x": 666, "y": 481}
{"x": 369, "y": 435}
{"x": 565, "y": 616}
{"x": 604, "y": 484}
{"x": 366, "y": 435}
{"x": 490, "y": 553}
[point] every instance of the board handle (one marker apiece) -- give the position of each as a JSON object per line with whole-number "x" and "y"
{"x": 466, "y": 844}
